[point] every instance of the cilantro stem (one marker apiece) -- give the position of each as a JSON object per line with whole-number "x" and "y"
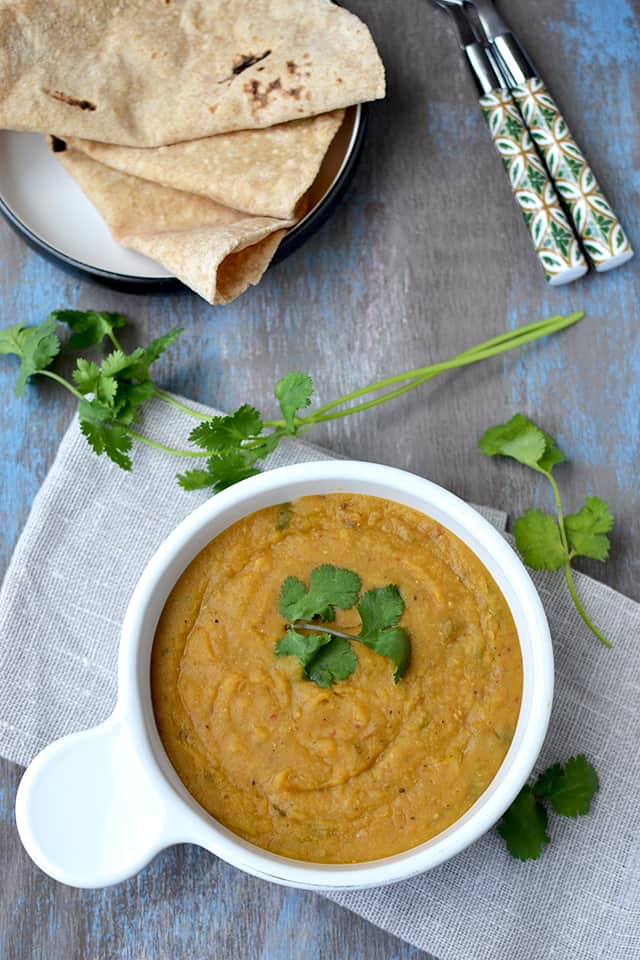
{"x": 167, "y": 398}
{"x": 483, "y": 351}
{"x": 171, "y": 450}
{"x": 568, "y": 572}
{"x": 316, "y": 628}
{"x": 571, "y": 587}
{"x": 559, "y": 511}
{"x": 63, "y": 383}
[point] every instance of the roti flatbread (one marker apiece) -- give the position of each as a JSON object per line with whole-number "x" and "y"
{"x": 148, "y": 73}
{"x": 264, "y": 172}
{"x": 215, "y": 250}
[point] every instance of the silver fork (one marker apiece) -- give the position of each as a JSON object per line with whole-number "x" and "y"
{"x": 553, "y": 238}
{"x": 594, "y": 221}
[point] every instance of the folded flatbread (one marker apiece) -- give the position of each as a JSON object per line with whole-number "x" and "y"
{"x": 154, "y": 72}
{"x": 264, "y": 172}
{"x": 215, "y": 250}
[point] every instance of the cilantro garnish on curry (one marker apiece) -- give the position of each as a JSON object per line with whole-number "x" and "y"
{"x": 325, "y": 653}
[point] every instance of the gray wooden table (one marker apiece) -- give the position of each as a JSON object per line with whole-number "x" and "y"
{"x": 426, "y": 256}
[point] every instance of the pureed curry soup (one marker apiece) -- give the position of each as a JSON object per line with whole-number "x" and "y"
{"x": 365, "y": 767}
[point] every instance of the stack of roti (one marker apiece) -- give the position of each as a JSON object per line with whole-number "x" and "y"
{"x": 195, "y": 127}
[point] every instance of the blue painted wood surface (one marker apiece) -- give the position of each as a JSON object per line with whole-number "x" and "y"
{"x": 426, "y": 256}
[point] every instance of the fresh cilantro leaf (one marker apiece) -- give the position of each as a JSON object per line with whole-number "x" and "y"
{"x": 86, "y": 375}
{"x": 552, "y": 454}
{"x": 538, "y": 541}
{"x": 111, "y": 384}
{"x": 523, "y": 441}
{"x": 231, "y": 468}
{"x": 89, "y": 379}
{"x": 160, "y": 344}
{"x": 300, "y": 645}
{"x": 587, "y": 530}
{"x": 293, "y": 392}
{"x": 543, "y": 542}
{"x": 134, "y": 366}
{"x": 394, "y": 644}
{"x": 380, "y": 609}
{"x": 35, "y": 346}
{"x": 12, "y": 339}
{"x": 329, "y": 587}
{"x": 547, "y": 781}
{"x": 118, "y": 362}
{"x": 103, "y": 434}
{"x": 109, "y": 438}
{"x": 524, "y": 826}
{"x": 267, "y": 445}
{"x": 333, "y": 661}
{"x": 130, "y": 397}
{"x": 324, "y": 658}
{"x": 292, "y": 597}
{"x": 94, "y": 412}
{"x": 194, "y": 479}
{"x": 519, "y": 438}
{"x": 121, "y": 383}
{"x": 569, "y": 789}
{"x": 223, "y": 434}
{"x": 222, "y": 472}
{"x": 90, "y": 326}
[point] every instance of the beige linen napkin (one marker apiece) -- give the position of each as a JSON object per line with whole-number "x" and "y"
{"x": 89, "y": 535}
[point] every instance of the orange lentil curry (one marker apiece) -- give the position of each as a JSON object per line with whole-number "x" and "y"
{"x": 367, "y": 767}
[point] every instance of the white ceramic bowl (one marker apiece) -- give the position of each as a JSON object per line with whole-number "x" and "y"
{"x": 95, "y": 807}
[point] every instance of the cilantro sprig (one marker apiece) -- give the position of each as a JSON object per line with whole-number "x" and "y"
{"x": 325, "y": 653}
{"x": 567, "y": 789}
{"x": 112, "y": 391}
{"x": 545, "y": 542}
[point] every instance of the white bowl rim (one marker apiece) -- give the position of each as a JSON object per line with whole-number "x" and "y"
{"x": 283, "y": 484}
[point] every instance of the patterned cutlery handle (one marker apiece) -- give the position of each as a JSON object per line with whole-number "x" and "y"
{"x": 596, "y": 224}
{"x": 552, "y": 235}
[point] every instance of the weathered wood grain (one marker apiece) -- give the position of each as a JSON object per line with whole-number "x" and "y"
{"x": 426, "y": 256}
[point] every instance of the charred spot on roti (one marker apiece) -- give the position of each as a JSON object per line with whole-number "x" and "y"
{"x": 242, "y": 62}
{"x": 295, "y": 92}
{"x": 253, "y": 89}
{"x": 248, "y": 60}
{"x": 258, "y": 96}
{"x": 58, "y": 145}
{"x": 292, "y": 67}
{"x": 71, "y": 101}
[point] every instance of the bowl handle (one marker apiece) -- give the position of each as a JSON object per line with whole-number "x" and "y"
{"x": 90, "y": 812}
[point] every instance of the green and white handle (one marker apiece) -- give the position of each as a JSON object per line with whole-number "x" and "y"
{"x": 552, "y": 235}
{"x": 595, "y": 223}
